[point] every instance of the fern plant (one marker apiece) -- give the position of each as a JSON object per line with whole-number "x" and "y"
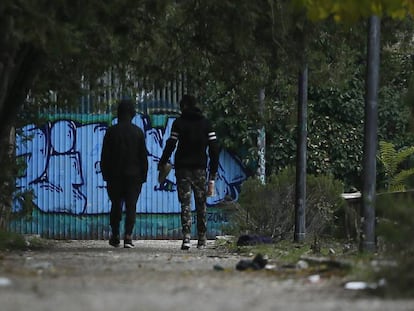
{"x": 392, "y": 159}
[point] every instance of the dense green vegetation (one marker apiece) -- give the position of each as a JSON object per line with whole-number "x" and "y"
{"x": 228, "y": 52}
{"x": 268, "y": 209}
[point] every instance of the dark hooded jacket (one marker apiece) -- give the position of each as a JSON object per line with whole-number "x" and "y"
{"x": 193, "y": 136}
{"x": 124, "y": 153}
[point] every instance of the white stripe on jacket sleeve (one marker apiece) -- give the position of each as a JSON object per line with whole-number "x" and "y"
{"x": 212, "y": 136}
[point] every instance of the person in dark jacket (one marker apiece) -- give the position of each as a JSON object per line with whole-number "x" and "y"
{"x": 124, "y": 166}
{"x": 193, "y": 136}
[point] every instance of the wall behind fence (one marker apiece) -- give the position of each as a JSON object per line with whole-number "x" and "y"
{"x": 62, "y": 168}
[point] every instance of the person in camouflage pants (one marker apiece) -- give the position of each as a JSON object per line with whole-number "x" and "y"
{"x": 186, "y": 181}
{"x": 194, "y": 138}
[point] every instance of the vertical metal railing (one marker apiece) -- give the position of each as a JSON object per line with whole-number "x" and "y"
{"x": 100, "y": 96}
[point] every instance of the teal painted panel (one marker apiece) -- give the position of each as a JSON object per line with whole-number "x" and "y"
{"x": 148, "y": 226}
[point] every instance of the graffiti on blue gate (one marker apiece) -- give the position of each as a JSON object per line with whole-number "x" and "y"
{"x": 62, "y": 168}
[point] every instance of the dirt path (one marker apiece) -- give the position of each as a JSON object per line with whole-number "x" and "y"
{"x": 156, "y": 275}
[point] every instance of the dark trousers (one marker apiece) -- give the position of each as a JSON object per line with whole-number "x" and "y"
{"x": 123, "y": 190}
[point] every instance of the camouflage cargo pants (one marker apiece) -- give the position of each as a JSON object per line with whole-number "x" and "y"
{"x": 188, "y": 182}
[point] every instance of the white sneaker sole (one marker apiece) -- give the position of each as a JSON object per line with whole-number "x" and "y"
{"x": 185, "y": 246}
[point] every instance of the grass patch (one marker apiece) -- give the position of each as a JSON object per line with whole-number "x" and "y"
{"x": 290, "y": 251}
{"x": 327, "y": 257}
{"x": 10, "y": 241}
{"x": 391, "y": 275}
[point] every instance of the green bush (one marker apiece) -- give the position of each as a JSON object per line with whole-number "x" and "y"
{"x": 269, "y": 209}
{"x": 395, "y": 219}
{"x": 9, "y": 194}
{"x": 395, "y": 229}
{"x": 11, "y": 241}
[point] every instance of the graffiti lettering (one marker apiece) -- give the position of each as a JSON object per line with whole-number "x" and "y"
{"x": 62, "y": 168}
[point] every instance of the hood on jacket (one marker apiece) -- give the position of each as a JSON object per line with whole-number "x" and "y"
{"x": 192, "y": 113}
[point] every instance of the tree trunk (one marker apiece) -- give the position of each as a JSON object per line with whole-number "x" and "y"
{"x": 18, "y": 69}
{"x": 7, "y": 181}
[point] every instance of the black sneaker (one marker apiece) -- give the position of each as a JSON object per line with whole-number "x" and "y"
{"x": 128, "y": 243}
{"x": 114, "y": 241}
{"x": 186, "y": 244}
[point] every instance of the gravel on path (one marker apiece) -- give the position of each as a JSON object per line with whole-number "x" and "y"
{"x": 157, "y": 275}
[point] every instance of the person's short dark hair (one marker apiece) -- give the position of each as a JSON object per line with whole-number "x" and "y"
{"x": 187, "y": 101}
{"x": 126, "y": 108}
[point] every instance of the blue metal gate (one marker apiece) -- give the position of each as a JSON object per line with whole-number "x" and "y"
{"x": 62, "y": 168}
